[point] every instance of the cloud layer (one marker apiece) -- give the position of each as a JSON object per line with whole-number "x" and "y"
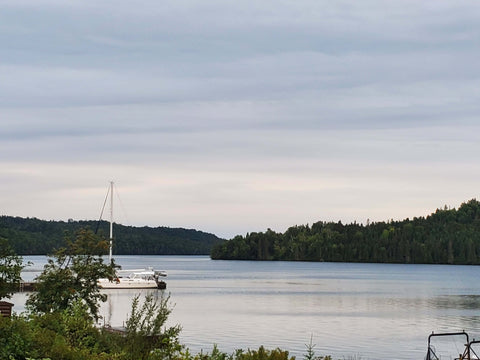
{"x": 233, "y": 117}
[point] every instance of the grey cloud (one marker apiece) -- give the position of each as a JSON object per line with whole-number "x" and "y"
{"x": 141, "y": 55}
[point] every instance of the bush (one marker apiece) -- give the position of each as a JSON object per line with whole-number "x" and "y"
{"x": 69, "y": 334}
{"x": 145, "y": 336}
{"x": 15, "y": 338}
{"x": 263, "y": 354}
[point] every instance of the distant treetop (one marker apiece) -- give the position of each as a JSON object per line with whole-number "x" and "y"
{"x": 31, "y": 236}
{"x": 447, "y": 236}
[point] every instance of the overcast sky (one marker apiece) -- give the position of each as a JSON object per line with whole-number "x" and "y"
{"x": 237, "y": 116}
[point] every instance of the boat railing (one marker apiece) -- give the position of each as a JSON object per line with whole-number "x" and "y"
{"x": 160, "y": 273}
{"x": 127, "y": 271}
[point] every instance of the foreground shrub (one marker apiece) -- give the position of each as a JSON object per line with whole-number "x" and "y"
{"x": 146, "y": 334}
{"x": 264, "y": 354}
{"x": 15, "y": 338}
{"x": 260, "y": 354}
{"x": 70, "y": 334}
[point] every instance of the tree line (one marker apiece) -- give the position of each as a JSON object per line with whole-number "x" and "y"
{"x": 32, "y": 236}
{"x": 447, "y": 236}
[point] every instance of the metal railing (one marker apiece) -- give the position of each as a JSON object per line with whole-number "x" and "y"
{"x": 469, "y": 352}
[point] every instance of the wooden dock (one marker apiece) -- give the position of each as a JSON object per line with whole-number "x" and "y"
{"x": 26, "y": 286}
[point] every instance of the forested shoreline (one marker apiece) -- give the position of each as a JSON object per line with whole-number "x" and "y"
{"x": 447, "y": 236}
{"x": 32, "y": 236}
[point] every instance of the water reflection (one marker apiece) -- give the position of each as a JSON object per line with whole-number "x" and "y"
{"x": 471, "y": 302}
{"x": 117, "y": 308}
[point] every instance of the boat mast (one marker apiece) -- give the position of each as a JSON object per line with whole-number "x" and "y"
{"x": 111, "y": 221}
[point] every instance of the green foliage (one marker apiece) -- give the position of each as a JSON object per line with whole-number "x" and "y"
{"x": 263, "y": 354}
{"x": 11, "y": 266}
{"x": 145, "y": 330}
{"x": 216, "y": 354}
{"x": 15, "y": 338}
{"x": 32, "y": 236}
{"x": 71, "y": 335}
{"x": 67, "y": 334}
{"x": 310, "y": 354}
{"x": 260, "y": 354}
{"x": 448, "y": 236}
{"x": 72, "y": 275}
{"x": 78, "y": 326}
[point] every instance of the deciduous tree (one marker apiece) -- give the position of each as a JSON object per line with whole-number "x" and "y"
{"x": 11, "y": 266}
{"x": 72, "y": 274}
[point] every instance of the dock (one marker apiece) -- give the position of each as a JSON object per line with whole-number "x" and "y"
{"x": 29, "y": 286}
{"x": 26, "y": 286}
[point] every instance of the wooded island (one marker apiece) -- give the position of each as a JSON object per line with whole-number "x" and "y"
{"x": 447, "y": 236}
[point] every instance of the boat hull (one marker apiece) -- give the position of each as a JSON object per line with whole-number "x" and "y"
{"x": 128, "y": 284}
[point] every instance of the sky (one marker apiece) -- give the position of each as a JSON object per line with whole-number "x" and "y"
{"x": 232, "y": 117}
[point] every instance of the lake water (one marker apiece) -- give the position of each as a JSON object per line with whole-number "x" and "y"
{"x": 362, "y": 311}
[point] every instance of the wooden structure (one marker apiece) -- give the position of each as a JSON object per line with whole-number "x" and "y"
{"x": 6, "y": 308}
{"x": 26, "y": 286}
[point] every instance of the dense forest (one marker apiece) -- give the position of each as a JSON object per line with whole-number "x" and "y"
{"x": 31, "y": 236}
{"x": 448, "y": 236}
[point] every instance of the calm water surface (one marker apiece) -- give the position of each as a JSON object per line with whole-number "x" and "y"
{"x": 367, "y": 311}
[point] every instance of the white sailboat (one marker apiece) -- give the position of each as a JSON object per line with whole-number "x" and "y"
{"x": 131, "y": 279}
{"x": 135, "y": 279}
